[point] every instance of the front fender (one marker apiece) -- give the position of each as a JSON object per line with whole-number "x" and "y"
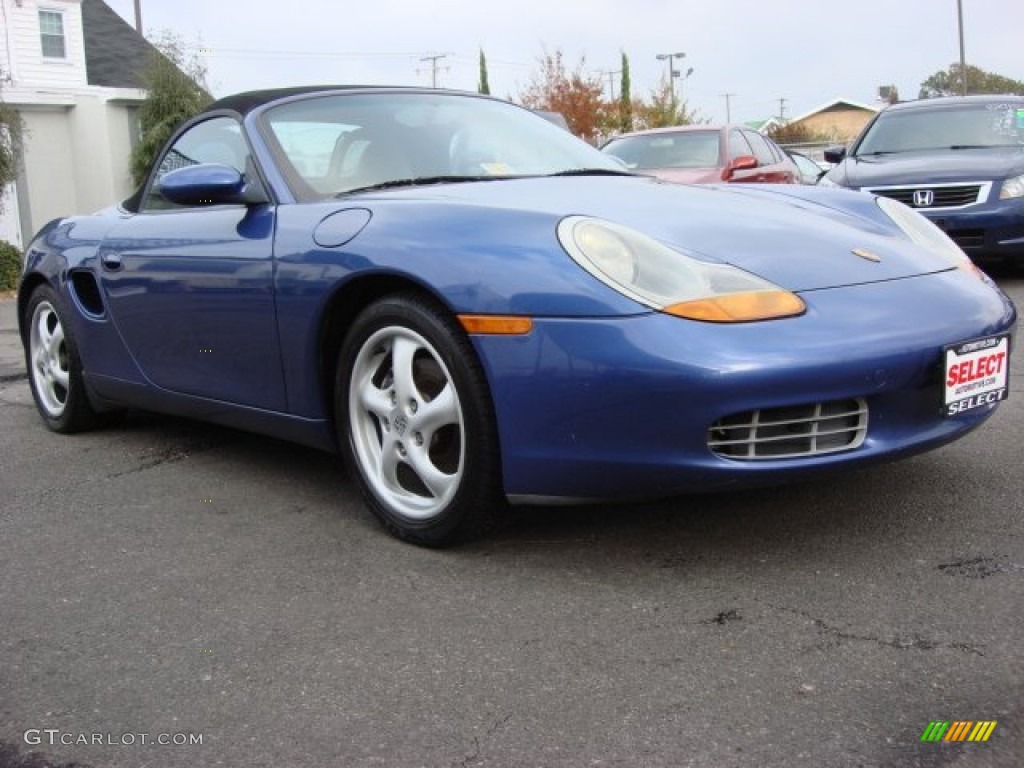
{"x": 475, "y": 258}
{"x": 61, "y": 248}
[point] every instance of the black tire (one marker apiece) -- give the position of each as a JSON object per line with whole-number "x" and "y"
{"x": 54, "y": 366}
{"x": 419, "y": 436}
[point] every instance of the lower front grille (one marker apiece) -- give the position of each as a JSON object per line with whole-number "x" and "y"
{"x": 791, "y": 432}
{"x": 967, "y": 238}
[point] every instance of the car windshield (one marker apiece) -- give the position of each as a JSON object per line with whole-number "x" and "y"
{"x": 340, "y": 144}
{"x": 961, "y": 127}
{"x": 690, "y": 149}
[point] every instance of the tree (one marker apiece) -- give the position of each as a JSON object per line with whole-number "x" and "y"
{"x": 795, "y": 133}
{"x": 889, "y": 94}
{"x": 11, "y": 132}
{"x": 483, "y": 86}
{"x": 663, "y": 110}
{"x": 577, "y": 97}
{"x": 625, "y": 98}
{"x": 950, "y": 83}
{"x": 176, "y": 82}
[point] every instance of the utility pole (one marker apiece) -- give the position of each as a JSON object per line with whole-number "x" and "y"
{"x": 782, "y": 109}
{"x": 433, "y": 66}
{"x": 138, "y": 16}
{"x": 611, "y": 79}
{"x": 728, "y": 110}
{"x": 963, "y": 60}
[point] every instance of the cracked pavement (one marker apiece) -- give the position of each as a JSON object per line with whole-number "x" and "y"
{"x": 165, "y": 576}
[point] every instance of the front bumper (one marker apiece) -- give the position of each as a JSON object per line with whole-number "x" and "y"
{"x": 993, "y": 230}
{"x": 620, "y": 407}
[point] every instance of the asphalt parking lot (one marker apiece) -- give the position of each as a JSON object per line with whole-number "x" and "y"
{"x": 165, "y": 578}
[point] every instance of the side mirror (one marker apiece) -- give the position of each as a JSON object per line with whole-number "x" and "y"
{"x": 741, "y": 163}
{"x": 208, "y": 184}
{"x": 835, "y": 154}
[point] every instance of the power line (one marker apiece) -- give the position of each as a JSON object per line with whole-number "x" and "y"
{"x": 217, "y": 51}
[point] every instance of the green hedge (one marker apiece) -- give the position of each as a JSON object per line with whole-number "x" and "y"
{"x": 10, "y": 266}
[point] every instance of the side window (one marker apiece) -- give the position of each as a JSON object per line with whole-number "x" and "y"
{"x": 51, "y": 34}
{"x": 738, "y": 146}
{"x": 777, "y": 153}
{"x": 214, "y": 141}
{"x": 762, "y": 151}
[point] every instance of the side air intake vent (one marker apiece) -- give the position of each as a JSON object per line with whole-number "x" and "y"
{"x": 83, "y": 284}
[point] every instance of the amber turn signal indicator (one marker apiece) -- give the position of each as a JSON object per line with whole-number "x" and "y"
{"x": 496, "y": 325}
{"x": 740, "y": 307}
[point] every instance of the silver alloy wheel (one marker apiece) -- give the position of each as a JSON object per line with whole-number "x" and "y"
{"x": 406, "y": 423}
{"x": 49, "y": 356}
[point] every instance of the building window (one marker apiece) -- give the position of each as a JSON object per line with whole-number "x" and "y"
{"x": 51, "y": 33}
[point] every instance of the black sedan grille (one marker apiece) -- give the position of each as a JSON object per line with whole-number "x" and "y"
{"x": 953, "y": 196}
{"x": 795, "y": 431}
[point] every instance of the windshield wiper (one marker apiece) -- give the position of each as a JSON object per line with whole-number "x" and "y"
{"x": 418, "y": 181}
{"x": 425, "y": 180}
{"x": 592, "y": 172}
{"x": 981, "y": 146}
{"x": 931, "y": 149}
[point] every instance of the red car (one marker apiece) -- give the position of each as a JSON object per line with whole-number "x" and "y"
{"x": 703, "y": 154}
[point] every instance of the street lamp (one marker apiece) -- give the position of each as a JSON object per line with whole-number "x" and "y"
{"x": 673, "y": 73}
{"x": 960, "y": 31}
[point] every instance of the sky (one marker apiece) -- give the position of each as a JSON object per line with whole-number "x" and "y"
{"x": 808, "y": 52}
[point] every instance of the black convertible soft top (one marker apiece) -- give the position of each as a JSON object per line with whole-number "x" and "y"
{"x": 244, "y": 103}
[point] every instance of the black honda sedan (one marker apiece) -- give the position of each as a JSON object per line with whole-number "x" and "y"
{"x": 957, "y": 160}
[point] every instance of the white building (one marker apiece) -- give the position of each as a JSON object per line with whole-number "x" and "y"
{"x": 73, "y": 70}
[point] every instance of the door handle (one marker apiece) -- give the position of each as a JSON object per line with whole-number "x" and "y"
{"x": 111, "y": 261}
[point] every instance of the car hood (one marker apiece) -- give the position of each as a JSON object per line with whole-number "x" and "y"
{"x": 930, "y": 167}
{"x": 798, "y": 237}
{"x": 686, "y": 175}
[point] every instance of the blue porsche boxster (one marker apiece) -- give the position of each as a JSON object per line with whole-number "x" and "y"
{"x": 472, "y": 306}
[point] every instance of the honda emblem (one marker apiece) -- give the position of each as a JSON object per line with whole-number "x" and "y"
{"x": 923, "y": 198}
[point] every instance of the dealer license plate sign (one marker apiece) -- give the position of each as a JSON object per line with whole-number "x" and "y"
{"x": 976, "y": 374}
